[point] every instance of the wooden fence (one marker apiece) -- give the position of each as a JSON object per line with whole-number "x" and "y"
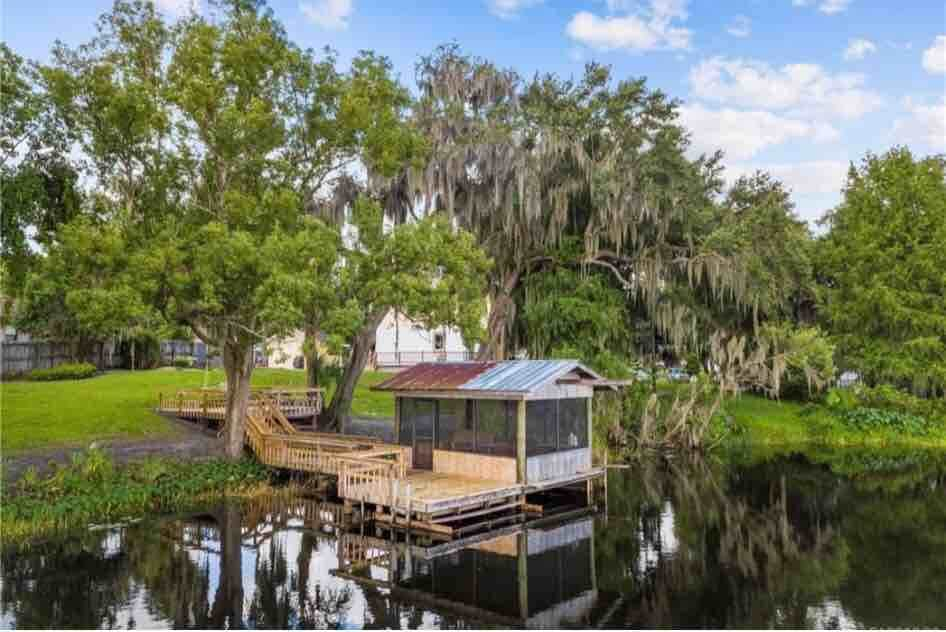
{"x": 21, "y": 357}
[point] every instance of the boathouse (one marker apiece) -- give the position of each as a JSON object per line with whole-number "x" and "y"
{"x": 525, "y": 422}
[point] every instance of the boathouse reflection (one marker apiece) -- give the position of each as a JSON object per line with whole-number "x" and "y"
{"x": 536, "y": 576}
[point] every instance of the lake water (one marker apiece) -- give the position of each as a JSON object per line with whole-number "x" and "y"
{"x": 846, "y": 539}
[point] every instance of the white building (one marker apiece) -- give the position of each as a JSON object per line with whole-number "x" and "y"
{"x": 399, "y": 342}
{"x": 287, "y": 352}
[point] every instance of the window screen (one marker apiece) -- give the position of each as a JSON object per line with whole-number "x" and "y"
{"x": 572, "y": 424}
{"x": 496, "y": 428}
{"x": 455, "y": 426}
{"x": 406, "y": 434}
{"x": 541, "y": 426}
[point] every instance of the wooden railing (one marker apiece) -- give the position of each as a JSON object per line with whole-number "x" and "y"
{"x": 410, "y": 358}
{"x": 365, "y": 469}
{"x": 212, "y": 403}
{"x": 369, "y": 480}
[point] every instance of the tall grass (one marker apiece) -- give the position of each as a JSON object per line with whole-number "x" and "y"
{"x": 93, "y": 490}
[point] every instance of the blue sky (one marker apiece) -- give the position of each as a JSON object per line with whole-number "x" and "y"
{"x": 797, "y": 87}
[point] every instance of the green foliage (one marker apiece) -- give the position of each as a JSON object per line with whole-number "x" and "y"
{"x": 758, "y": 227}
{"x": 867, "y": 419}
{"x": 890, "y": 398}
{"x": 568, "y": 314}
{"x": 92, "y": 489}
{"x": 183, "y": 362}
{"x": 87, "y": 287}
{"x": 809, "y": 358}
{"x": 73, "y": 371}
{"x": 881, "y": 264}
{"x": 422, "y": 269}
{"x": 884, "y": 406}
{"x": 38, "y": 186}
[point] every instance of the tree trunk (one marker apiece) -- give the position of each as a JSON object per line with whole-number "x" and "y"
{"x": 310, "y": 351}
{"x": 238, "y": 365}
{"x": 227, "y": 611}
{"x": 340, "y": 408}
{"x": 502, "y": 311}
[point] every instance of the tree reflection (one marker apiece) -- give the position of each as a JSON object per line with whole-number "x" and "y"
{"x": 837, "y": 538}
{"x": 695, "y": 542}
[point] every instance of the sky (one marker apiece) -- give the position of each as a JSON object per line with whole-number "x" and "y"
{"x": 799, "y": 88}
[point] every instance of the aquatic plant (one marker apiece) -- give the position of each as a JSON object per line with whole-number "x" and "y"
{"x": 93, "y": 489}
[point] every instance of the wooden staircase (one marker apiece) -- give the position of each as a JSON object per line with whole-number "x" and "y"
{"x": 365, "y": 468}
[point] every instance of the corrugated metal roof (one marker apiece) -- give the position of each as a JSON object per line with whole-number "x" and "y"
{"x": 434, "y": 376}
{"x": 519, "y": 375}
{"x": 511, "y": 376}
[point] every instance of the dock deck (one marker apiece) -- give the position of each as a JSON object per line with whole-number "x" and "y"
{"x": 378, "y": 476}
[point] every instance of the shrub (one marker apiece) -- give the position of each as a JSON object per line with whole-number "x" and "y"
{"x": 76, "y": 371}
{"x": 889, "y": 398}
{"x": 886, "y": 398}
{"x": 183, "y": 362}
{"x": 867, "y": 419}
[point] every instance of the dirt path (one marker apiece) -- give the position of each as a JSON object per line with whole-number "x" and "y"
{"x": 191, "y": 442}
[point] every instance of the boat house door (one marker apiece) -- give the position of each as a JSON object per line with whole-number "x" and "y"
{"x": 418, "y": 417}
{"x": 424, "y": 434}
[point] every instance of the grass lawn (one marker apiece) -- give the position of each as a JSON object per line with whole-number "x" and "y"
{"x": 770, "y": 423}
{"x": 120, "y": 404}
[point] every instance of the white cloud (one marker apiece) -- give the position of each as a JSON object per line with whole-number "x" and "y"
{"x": 178, "y": 8}
{"x": 328, "y": 14}
{"x": 815, "y": 185}
{"x": 742, "y": 134}
{"x": 805, "y": 89}
{"x": 828, "y": 7}
{"x": 859, "y": 49}
{"x": 509, "y": 9}
{"x": 656, "y": 27}
{"x": 924, "y": 124}
{"x": 815, "y": 177}
{"x": 740, "y": 26}
{"x": 934, "y": 57}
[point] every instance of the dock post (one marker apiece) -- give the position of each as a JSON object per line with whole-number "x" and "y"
{"x": 605, "y": 484}
{"x": 410, "y": 503}
{"x": 521, "y": 474}
{"x": 522, "y": 559}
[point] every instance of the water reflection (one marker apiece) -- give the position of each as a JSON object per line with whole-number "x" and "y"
{"x": 844, "y": 539}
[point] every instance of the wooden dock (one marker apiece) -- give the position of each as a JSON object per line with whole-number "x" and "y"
{"x": 374, "y": 476}
{"x": 210, "y": 404}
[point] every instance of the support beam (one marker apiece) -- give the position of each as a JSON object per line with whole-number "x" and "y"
{"x": 591, "y": 436}
{"x": 397, "y": 420}
{"x": 521, "y": 441}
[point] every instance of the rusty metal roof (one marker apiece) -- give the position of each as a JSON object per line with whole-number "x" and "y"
{"x": 434, "y": 376}
{"x": 512, "y": 376}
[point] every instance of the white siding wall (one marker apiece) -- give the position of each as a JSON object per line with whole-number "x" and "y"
{"x": 562, "y": 391}
{"x": 282, "y": 352}
{"x": 412, "y": 337}
{"x": 557, "y": 464}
